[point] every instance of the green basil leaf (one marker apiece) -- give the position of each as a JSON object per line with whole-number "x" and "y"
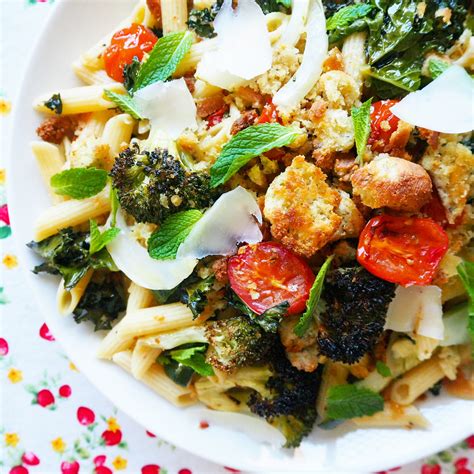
{"x": 163, "y": 244}
{"x": 466, "y": 273}
{"x": 247, "y": 144}
{"x": 436, "y": 67}
{"x": 313, "y": 300}
{"x": 124, "y": 102}
{"x": 361, "y": 121}
{"x": 79, "y": 183}
{"x": 348, "y": 401}
{"x": 164, "y": 59}
{"x": 98, "y": 240}
{"x": 383, "y": 369}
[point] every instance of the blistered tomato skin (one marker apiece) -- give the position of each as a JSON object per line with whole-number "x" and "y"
{"x": 402, "y": 250}
{"x": 267, "y": 274}
{"x": 134, "y": 41}
{"x": 269, "y": 114}
{"x": 382, "y": 123}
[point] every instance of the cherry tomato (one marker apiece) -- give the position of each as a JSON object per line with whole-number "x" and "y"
{"x": 126, "y": 44}
{"x": 267, "y": 274}
{"x": 382, "y": 124}
{"x": 435, "y": 210}
{"x": 402, "y": 250}
{"x": 216, "y": 117}
{"x": 269, "y": 113}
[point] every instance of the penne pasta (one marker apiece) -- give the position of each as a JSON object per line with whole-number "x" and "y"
{"x": 354, "y": 56}
{"x": 67, "y": 301}
{"x": 116, "y": 135}
{"x": 90, "y": 76}
{"x": 169, "y": 340}
{"x": 143, "y": 357}
{"x": 174, "y": 15}
{"x": 394, "y": 416}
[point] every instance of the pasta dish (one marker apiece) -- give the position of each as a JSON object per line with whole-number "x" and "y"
{"x": 266, "y": 206}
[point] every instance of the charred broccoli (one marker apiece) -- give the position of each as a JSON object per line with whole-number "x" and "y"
{"x": 153, "y": 185}
{"x": 291, "y": 405}
{"x": 354, "y": 315}
{"x": 237, "y": 342}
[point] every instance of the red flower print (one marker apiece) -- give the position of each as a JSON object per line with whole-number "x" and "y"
{"x": 4, "y": 217}
{"x": 100, "y": 460}
{"x": 103, "y": 470}
{"x": 151, "y": 469}
{"x": 185, "y": 471}
{"x": 85, "y": 416}
{"x": 431, "y": 469}
{"x": 150, "y": 434}
{"x": 45, "y": 398}
{"x": 30, "y": 459}
{"x": 3, "y": 347}
{"x": 65, "y": 391}
{"x": 70, "y": 467}
{"x": 470, "y": 441}
{"x": 231, "y": 469}
{"x": 45, "y": 333}
{"x": 18, "y": 470}
{"x": 112, "y": 438}
{"x": 463, "y": 470}
{"x": 461, "y": 462}
{"x": 203, "y": 424}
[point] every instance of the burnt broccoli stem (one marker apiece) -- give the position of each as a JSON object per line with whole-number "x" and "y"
{"x": 355, "y": 312}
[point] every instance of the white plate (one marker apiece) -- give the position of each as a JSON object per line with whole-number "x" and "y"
{"x": 74, "y": 26}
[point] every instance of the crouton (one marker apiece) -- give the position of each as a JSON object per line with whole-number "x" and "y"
{"x": 306, "y": 360}
{"x": 338, "y": 89}
{"x": 292, "y": 342}
{"x": 301, "y": 208}
{"x": 352, "y": 220}
{"x": 392, "y": 182}
{"x": 451, "y": 167}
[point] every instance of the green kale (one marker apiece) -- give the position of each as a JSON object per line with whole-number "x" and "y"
{"x": 130, "y": 72}
{"x": 201, "y": 21}
{"x": 270, "y": 6}
{"x": 55, "y": 104}
{"x": 333, "y": 6}
{"x": 102, "y": 302}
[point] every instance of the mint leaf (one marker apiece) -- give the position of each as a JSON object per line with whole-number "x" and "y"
{"x": 193, "y": 357}
{"x": 313, "y": 300}
{"x": 247, "y": 144}
{"x": 436, "y": 67}
{"x": 383, "y": 369}
{"x": 79, "y": 183}
{"x": 164, "y": 59}
{"x": 347, "y": 15}
{"x": 348, "y": 401}
{"x": 466, "y": 273}
{"x": 361, "y": 121}
{"x": 98, "y": 240}
{"x": 163, "y": 244}
{"x": 125, "y": 103}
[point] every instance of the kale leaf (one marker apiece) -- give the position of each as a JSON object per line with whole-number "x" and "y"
{"x": 55, "y": 104}
{"x": 130, "y": 72}
{"x": 201, "y": 21}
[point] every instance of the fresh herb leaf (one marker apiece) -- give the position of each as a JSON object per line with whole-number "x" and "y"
{"x": 361, "y": 121}
{"x": 163, "y": 244}
{"x": 101, "y": 303}
{"x": 114, "y": 205}
{"x": 55, "y": 104}
{"x": 270, "y": 6}
{"x": 130, "y": 72}
{"x": 383, "y": 369}
{"x": 348, "y": 20}
{"x": 436, "y": 67}
{"x": 348, "y": 401}
{"x": 194, "y": 296}
{"x": 178, "y": 373}
{"x": 79, "y": 183}
{"x": 164, "y": 59}
{"x": 313, "y": 301}
{"x": 125, "y": 103}
{"x": 193, "y": 357}
{"x": 466, "y": 273}
{"x": 98, "y": 239}
{"x": 201, "y": 21}
{"x": 247, "y": 144}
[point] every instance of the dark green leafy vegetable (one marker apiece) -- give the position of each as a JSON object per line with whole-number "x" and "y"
{"x": 79, "y": 183}
{"x": 348, "y": 401}
{"x": 201, "y": 20}
{"x": 124, "y": 102}
{"x": 333, "y": 6}
{"x": 130, "y": 72}
{"x": 98, "y": 239}
{"x": 436, "y": 388}
{"x": 55, "y": 104}
{"x": 101, "y": 303}
{"x": 436, "y": 67}
{"x": 383, "y": 369}
{"x": 269, "y": 6}
{"x": 348, "y": 20}
{"x": 194, "y": 296}
{"x": 466, "y": 273}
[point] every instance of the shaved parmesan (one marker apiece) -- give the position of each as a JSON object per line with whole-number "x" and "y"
{"x": 169, "y": 106}
{"x": 316, "y": 50}
{"x": 133, "y": 260}
{"x": 445, "y": 105}
{"x": 243, "y": 50}
{"x": 297, "y": 22}
{"x": 418, "y": 310}
{"x": 233, "y": 219}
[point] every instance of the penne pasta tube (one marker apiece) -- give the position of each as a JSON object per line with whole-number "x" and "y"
{"x": 354, "y": 56}
{"x": 169, "y": 340}
{"x": 143, "y": 357}
{"x": 174, "y": 15}
{"x": 117, "y": 133}
{"x": 79, "y": 100}
{"x": 195, "y": 54}
{"x": 158, "y": 381}
{"x": 67, "y": 301}
{"x": 71, "y": 213}
{"x": 50, "y": 161}
{"x": 393, "y": 416}
{"x": 90, "y": 76}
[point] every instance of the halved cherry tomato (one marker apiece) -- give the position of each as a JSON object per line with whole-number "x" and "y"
{"x": 402, "y": 250}
{"x": 134, "y": 41}
{"x": 267, "y": 274}
{"x": 217, "y": 116}
{"x": 269, "y": 113}
{"x": 382, "y": 123}
{"x": 435, "y": 210}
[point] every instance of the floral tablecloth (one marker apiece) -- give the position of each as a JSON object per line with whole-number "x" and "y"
{"x": 51, "y": 419}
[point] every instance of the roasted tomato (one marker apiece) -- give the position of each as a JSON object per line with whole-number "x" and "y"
{"x": 134, "y": 41}
{"x": 269, "y": 113}
{"x": 382, "y": 124}
{"x": 435, "y": 210}
{"x": 267, "y": 274}
{"x": 402, "y": 250}
{"x": 217, "y": 116}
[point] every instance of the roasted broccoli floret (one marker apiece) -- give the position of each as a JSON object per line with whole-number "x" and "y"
{"x": 354, "y": 315}
{"x": 237, "y": 342}
{"x": 291, "y": 405}
{"x": 153, "y": 185}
